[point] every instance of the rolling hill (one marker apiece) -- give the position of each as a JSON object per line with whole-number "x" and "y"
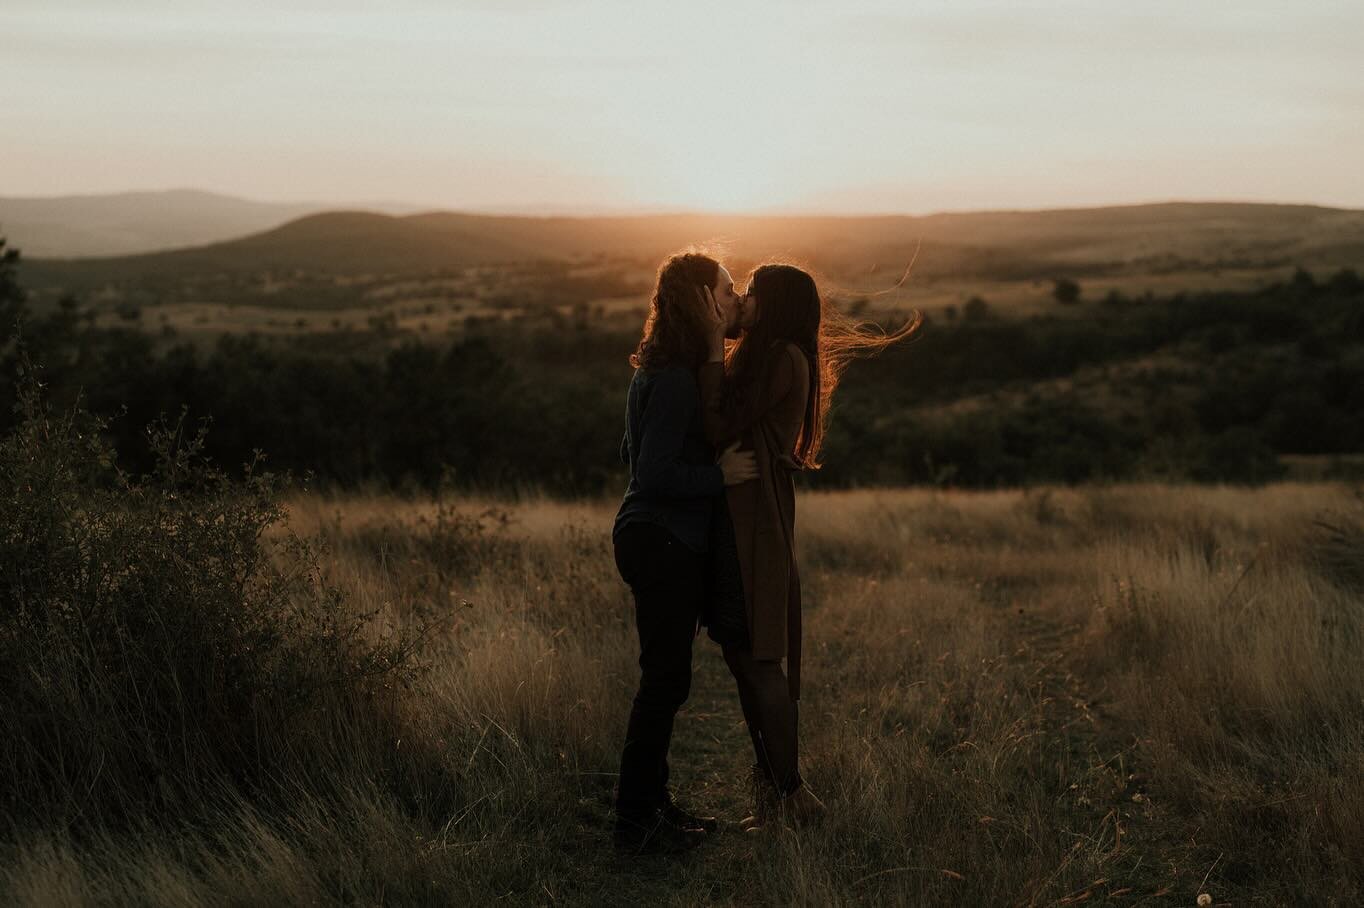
{"x": 128, "y": 223}
{"x": 1007, "y": 245}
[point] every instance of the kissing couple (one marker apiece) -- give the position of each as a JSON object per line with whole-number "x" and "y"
{"x": 710, "y": 541}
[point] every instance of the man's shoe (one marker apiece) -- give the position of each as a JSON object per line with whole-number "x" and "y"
{"x": 678, "y": 816}
{"x": 653, "y": 833}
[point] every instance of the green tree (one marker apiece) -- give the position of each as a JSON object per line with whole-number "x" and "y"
{"x": 976, "y": 309}
{"x": 1066, "y": 291}
{"x": 11, "y": 295}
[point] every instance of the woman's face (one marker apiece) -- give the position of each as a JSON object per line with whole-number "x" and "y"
{"x": 748, "y": 310}
{"x": 728, "y": 301}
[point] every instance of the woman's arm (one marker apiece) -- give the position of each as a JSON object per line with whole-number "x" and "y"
{"x": 725, "y": 420}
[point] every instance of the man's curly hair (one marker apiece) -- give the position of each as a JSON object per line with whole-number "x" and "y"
{"x": 674, "y": 332}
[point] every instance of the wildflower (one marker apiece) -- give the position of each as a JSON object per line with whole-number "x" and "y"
{"x": 1204, "y": 900}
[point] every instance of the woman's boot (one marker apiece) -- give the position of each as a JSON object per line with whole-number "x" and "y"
{"x": 764, "y": 801}
{"x": 800, "y": 807}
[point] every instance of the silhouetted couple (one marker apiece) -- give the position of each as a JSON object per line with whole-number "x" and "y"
{"x": 710, "y": 541}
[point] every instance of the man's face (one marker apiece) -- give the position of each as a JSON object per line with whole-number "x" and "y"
{"x": 728, "y": 301}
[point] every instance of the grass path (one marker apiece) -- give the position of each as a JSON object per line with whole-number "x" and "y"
{"x": 1105, "y": 807}
{"x": 708, "y": 761}
{"x": 1116, "y": 825}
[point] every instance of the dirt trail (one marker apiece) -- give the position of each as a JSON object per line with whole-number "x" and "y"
{"x": 709, "y": 760}
{"x": 1102, "y": 800}
{"x": 1100, "y": 775}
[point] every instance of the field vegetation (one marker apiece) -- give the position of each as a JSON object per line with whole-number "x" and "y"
{"x": 1218, "y": 386}
{"x": 239, "y": 690}
{"x": 434, "y": 273}
{"x": 328, "y": 613}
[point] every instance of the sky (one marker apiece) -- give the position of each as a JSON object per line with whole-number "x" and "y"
{"x": 530, "y": 105}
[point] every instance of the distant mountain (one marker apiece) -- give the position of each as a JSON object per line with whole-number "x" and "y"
{"x": 987, "y": 244}
{"x": 131, "y": 222}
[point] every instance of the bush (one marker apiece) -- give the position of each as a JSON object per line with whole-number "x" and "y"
{"x": 1066, "y": 291}
{"x": 976, "y": 308}
{"x": 1238, "y": 455}
{"x": 152, "y": 641}
{"x": 534, "y": 404}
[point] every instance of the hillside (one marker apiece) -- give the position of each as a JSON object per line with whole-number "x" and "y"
{"x": 999, "y": 245}
{"x": 128, "y": 223}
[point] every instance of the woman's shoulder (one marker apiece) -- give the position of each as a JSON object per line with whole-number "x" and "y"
{"x": 792, "y": 353}
{"x": 785, "y": 365}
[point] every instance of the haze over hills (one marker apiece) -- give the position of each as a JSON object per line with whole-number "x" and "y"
{"x": 987, "y": 244}
{"x": 127, "y": 223}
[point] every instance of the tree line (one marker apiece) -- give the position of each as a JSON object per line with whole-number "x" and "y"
{"x": 1206, "y": 387}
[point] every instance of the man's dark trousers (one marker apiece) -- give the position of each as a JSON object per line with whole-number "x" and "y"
{"x": 668, "y": 582}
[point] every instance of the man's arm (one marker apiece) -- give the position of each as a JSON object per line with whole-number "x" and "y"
{"x": 661, "y": 472}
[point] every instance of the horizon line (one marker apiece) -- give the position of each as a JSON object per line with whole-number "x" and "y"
{"x": 588, "y": 211}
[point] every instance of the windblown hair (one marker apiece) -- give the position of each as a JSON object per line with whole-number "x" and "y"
{"x": 790, "y": 309}
{"x": 674, "y": 332}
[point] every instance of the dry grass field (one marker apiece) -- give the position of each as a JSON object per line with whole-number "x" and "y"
{"x": 1126, "y": 694}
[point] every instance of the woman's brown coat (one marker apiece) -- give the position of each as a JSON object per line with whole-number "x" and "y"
{"x": 767, "y": 421}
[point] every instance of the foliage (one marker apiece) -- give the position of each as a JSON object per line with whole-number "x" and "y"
{"x": 11, "y": 299}
{"x": 976, "y": 309}
{"x": 152, "y": 640}
{"x": 1209, "y": 387}
{"x": 1066, "y": 291}
{"x": 1107, "y": 694}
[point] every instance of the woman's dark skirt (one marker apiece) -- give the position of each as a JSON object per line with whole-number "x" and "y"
{"x": 725, "y": 614}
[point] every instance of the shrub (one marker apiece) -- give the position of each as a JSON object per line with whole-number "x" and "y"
{"x": 152, "y": 640}
{"x": 1066, "y": 291}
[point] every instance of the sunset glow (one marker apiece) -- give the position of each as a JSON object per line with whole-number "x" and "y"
{"x": 842, "y": 107}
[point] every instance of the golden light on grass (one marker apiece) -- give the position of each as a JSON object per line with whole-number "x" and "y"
{"x": 982, "y": 694}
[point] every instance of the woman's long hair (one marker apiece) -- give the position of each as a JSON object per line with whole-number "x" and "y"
{"x": 790, "y": 309}
{"x": 675, "y": 331}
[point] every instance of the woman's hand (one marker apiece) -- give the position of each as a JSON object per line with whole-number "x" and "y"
{"x": 738, "y": 466}
{"x": 713, "y": 317}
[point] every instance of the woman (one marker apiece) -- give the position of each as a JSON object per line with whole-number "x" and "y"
{"x": 661, "y": 536}
{"x": 772, "y": 394}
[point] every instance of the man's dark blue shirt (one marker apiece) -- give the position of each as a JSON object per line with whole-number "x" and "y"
{"x": 673, "y": 474}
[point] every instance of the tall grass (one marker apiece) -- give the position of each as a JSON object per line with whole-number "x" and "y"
{"x": 1235, "y": 646}
{"x": 234, "y": 692}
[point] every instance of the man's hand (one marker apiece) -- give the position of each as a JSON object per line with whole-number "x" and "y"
{"x": 738, "y": 466}
{"x": 716, "y": 324}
